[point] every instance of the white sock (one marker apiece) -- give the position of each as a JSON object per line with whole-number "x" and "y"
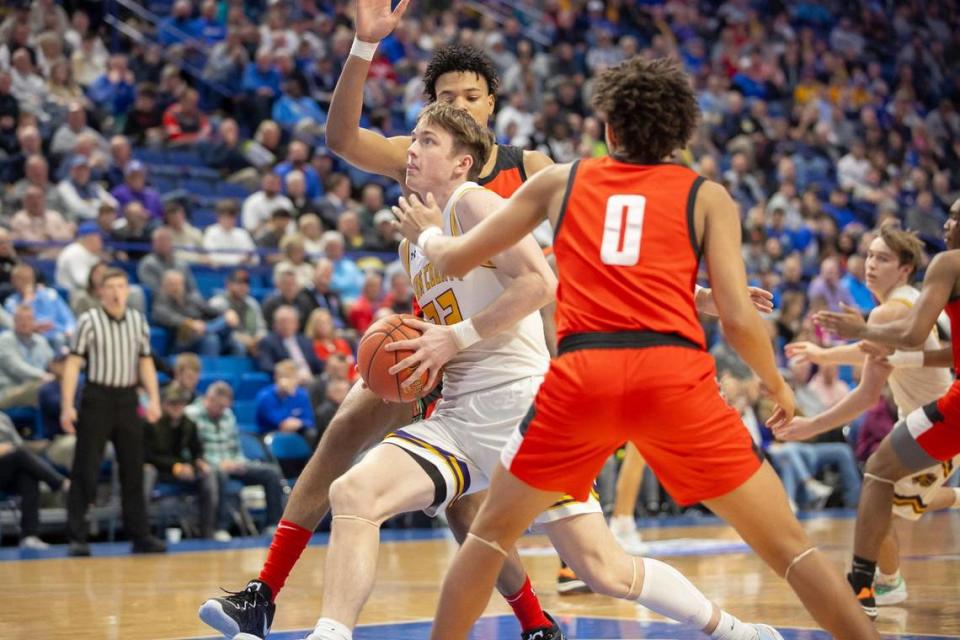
{"x": 888, "y": 579}
{"x": 329, "y": 629}
{"x": 731, "y": 628}
{"x": 666, "y": 591}
{"x": 956, "y": 499}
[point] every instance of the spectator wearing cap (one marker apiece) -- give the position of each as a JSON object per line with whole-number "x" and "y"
{"x": 237, "y": 297}
{"x": 36, "y": 223}
{"x": 285, "y": 405}
{"x": 66, "y": 136}
{"x": 161, "y": 259}
{"x": 259, "y": 206}
{"x": 225, "y": 242}
{"x": 81, "y": 196}
{"x": 187, "y": 239}
{"x": 183, "y": 121}
{"x": 24, "y": 357}
{"x": 53, "y": 317}
{"x": 271, "y": 236}
{"x": 198, "y": 326}
{"x": 135, "y": 189}
{"x": 174, "y": 455}
{"x": 384, "y": 236}
{"x": 78, "y": 258}
{"x": 217, "y": 426}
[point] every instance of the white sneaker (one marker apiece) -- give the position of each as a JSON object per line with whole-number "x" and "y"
{"x": 33, "y": 542}
{"x": 817, "y": 493}
{"x": 222, "y": 536}
{"x": 890, "y": 594}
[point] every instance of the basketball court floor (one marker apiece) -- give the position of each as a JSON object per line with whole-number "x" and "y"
{"x": 117, "y": 596}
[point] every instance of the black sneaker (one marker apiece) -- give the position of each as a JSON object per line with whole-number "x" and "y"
{"x": 865, "y": 596}
{"x": 552, "y": 632}
{"x": 568, "y": 584}
{"x": 248, "y": 612}
{"x": 149, "y": 545}
{"x": 78, "y": 549}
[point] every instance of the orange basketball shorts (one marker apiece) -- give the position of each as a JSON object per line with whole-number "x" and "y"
{"x": 664, "y": 399}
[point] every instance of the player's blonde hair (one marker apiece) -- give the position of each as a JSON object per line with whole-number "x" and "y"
{"x": 468, "y": 136}
{"x": 905, "y": 244}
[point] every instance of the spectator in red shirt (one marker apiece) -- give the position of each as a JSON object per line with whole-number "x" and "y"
{"x": 321, "y": 331}
{"x": 370, "y": 300}
{"x": 183, "y": 121}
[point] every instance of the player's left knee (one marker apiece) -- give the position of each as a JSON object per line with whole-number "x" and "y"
{"x": 592, "y": 567}
{"x": 882, "y": 467}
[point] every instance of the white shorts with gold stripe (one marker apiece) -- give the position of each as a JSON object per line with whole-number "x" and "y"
{"x": 912, "y": 495}
{"x": 459, "y": 445}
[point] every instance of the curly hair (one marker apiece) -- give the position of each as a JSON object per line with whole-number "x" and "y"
{"x": 650, "y": 106}
{"x": 462, "y": 58}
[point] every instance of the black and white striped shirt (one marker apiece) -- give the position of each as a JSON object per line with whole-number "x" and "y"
{"x": 112, "y": 347}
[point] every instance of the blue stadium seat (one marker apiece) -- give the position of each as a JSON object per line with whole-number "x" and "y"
{"x": 203, "y": 218}
{"x": 207, "y": 379}
{"x": 245, "y": 411}
{"x": 248, "y": 427}
{"x": 209, "y": 281}
{"x": 229, "y": 190}
{"x": 251, "y": 383}
{"x": 159, "y": 341}
{"x": 253, "y": 448}
{"x": 291, "y": 452}
{"x": 227, "y": 364}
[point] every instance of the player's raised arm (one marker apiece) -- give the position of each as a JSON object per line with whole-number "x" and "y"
{"x": 529, "y": 206}
{"x": 912, "y": 330}
{"x": 742, "y": 324}
{"x": 363, "y": 148}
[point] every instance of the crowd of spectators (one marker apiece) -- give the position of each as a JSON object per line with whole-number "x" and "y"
{"x": 823, "y": 119}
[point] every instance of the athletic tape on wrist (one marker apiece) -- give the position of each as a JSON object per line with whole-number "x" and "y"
{"x": 426, "y": 234}
{"x": 465, "y": 334}
{"x": 363, "y": 50}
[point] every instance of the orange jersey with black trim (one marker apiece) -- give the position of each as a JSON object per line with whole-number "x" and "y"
{"x": 626, "y": 250}
{"x": 508, "y": 172}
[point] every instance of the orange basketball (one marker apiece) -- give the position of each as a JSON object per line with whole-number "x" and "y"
{"x": 373, "y": 361}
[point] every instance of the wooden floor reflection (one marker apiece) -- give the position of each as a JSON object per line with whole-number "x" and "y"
{"x": 157, "y": 596}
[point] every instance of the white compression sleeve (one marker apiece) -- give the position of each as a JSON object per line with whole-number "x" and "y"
{"x": 666, "y": 591}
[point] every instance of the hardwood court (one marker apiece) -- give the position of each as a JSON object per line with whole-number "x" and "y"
{"x": 134, "y": 597}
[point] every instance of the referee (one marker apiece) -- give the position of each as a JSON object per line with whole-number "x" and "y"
{"x": 115, "y": 343}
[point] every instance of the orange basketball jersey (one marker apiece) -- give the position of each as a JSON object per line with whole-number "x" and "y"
{"x": 626, "y": 250}
{"x": 508, "y": 173}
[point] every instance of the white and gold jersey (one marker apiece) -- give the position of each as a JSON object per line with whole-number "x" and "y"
{"x": 914, "y": 387}
{"x": 514, "y": 354}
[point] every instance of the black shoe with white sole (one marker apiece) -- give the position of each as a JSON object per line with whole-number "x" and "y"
{"x": 241, "y": 615}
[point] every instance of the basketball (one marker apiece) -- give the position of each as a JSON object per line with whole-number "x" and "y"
{"x": 374, "y": 362}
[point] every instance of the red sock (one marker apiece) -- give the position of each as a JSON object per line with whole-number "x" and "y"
{"x": 526, "y": 606}
{"x": 288, "y": 543}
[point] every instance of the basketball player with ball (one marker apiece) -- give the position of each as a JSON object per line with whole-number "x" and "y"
{"x": 490, "y": 378}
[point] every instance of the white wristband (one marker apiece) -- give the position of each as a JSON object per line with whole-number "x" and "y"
{"x": 465, "y": 335}
{"x": 426, "y": 234}
{"x": 906, "y": 359}
{"x": 363, "y": 50}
